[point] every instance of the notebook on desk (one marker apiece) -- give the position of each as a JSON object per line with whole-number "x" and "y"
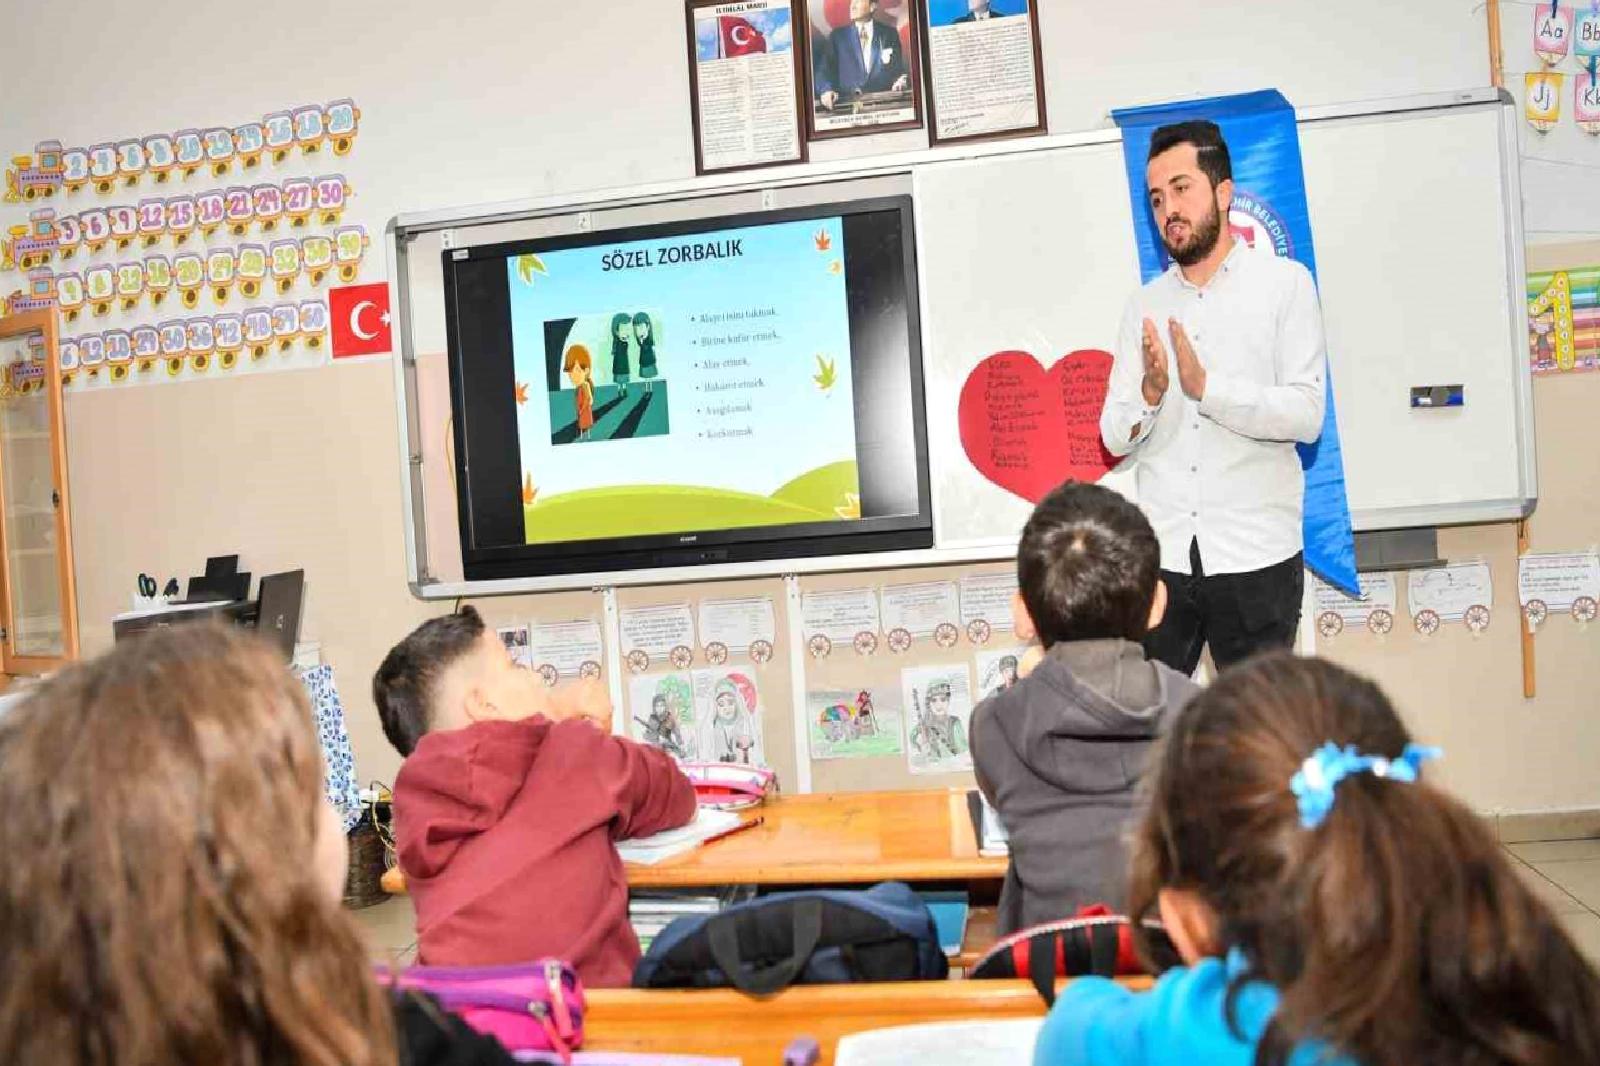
{"x": 986, "y": 828}
{"x": 947, "y": 1043}
{"x": 648, "y": 851}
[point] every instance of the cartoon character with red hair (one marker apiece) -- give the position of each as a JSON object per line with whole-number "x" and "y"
{"x": 580, "y": 369}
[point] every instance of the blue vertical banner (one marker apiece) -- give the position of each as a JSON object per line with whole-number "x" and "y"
{"x": 1269, "y": 208}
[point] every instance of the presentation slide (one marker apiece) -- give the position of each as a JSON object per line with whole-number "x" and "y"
{"x": 685, "y": 384}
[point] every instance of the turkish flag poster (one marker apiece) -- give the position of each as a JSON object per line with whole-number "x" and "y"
{"x": 741, "y": 38}
{"x": 358, "y": 317}
{"x": 744, "y": 69}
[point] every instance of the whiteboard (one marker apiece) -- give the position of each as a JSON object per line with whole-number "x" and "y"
{"x": 1033, "y": 253}
{"x": 1029, "y": 246}
{"x": 1416, "y": 219}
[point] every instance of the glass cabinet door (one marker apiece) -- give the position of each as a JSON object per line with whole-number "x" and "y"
{"x": 39, "y": 622}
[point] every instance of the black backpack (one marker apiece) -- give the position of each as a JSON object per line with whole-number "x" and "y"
{"x": 884, "y": 933}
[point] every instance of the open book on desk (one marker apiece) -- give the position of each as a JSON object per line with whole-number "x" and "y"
{"x": 986, "y": 828}
{"x": 707, "y": 823}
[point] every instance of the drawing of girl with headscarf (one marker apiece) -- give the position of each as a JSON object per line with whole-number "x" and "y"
{"x": 733, "y": 724}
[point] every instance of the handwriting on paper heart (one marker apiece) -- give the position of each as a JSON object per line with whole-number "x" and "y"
{"x": 1028, "y": 429}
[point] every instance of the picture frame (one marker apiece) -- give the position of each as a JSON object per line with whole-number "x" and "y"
{"x": 967, "y": 43}
{"x": 746, "y": 100}
{"x": 848, "y": 95}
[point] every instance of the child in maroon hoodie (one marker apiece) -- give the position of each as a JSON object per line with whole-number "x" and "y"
{"x": 510, "y": 801}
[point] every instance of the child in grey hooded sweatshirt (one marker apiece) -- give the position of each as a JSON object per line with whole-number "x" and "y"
{"x": 1060, "y": 753}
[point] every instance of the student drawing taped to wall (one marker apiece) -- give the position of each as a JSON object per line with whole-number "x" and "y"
{"x": 732, "y": 724}
{"x": 661, "y": 728}
{"x": 670, "y": 723}
{"x": 1007, "y": 670}
{"x": 938, "y": 734}
{"x": 842, "y": 722}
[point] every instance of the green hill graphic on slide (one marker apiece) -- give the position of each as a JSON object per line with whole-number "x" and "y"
{"x": 641, "y": 510}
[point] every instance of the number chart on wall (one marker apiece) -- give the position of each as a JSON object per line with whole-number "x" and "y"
{"x": 202, "y": 250}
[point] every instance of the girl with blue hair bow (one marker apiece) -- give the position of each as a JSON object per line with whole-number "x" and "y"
{"x": 1330, "y": 907}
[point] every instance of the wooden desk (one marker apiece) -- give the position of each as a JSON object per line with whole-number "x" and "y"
{"x": 983, "y": 929}
{"x": 830, "y": 838}
{"x": 837, "y": 838}
{"x": 729, "y": 1023}
{"x": 842, "y": 838}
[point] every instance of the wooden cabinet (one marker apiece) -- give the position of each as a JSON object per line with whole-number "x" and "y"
{"x": 38, "y": 598}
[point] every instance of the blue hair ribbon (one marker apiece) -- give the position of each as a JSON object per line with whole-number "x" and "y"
{"x": 1314, "y": 783}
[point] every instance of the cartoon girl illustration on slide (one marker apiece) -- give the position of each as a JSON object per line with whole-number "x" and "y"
{"x": 645, "y": 334}
{"x": 733, "y": 727}
{"x": 621, "y": 334}
{"x": 580, "y": 371}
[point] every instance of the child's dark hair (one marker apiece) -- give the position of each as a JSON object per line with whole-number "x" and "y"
{"x": 1396, "y": 931}
{"x": 1210, "y": 149}
{"x": 403, "y": 686}
{"x": 1087, "y": 565}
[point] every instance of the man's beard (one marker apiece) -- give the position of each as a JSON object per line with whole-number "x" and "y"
{"x": 1202, "y": 239}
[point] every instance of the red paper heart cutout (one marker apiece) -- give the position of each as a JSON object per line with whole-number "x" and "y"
{"x": 1028, "y": 429}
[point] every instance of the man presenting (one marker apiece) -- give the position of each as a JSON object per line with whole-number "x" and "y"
{"x": 862, "y": 57}
{"x": 1218, "y": 372}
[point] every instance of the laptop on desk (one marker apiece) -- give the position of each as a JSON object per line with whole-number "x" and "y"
{"x": 278, "y": 617}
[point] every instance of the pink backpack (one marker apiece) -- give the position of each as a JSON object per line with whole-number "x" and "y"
{"x": 533, "y": 1006}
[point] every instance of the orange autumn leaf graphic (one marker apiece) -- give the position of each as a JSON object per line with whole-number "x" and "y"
{"x": 522, "y": 393}
{"x": 824, "y": 242}
{"x": 528, "y": 491}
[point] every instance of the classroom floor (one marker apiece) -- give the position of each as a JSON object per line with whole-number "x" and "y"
{"x": 390, "y": 930}
{"x": 1564, "y": 873}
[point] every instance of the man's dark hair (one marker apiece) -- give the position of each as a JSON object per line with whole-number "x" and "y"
{"x": 403, "y": 686}
{"x": 1209, "y": 146}
{"x": 1087, "y": 566}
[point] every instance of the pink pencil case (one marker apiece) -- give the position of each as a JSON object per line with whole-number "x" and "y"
{"x": 729, "y": 786}
{"x": 534, "y": 1006}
